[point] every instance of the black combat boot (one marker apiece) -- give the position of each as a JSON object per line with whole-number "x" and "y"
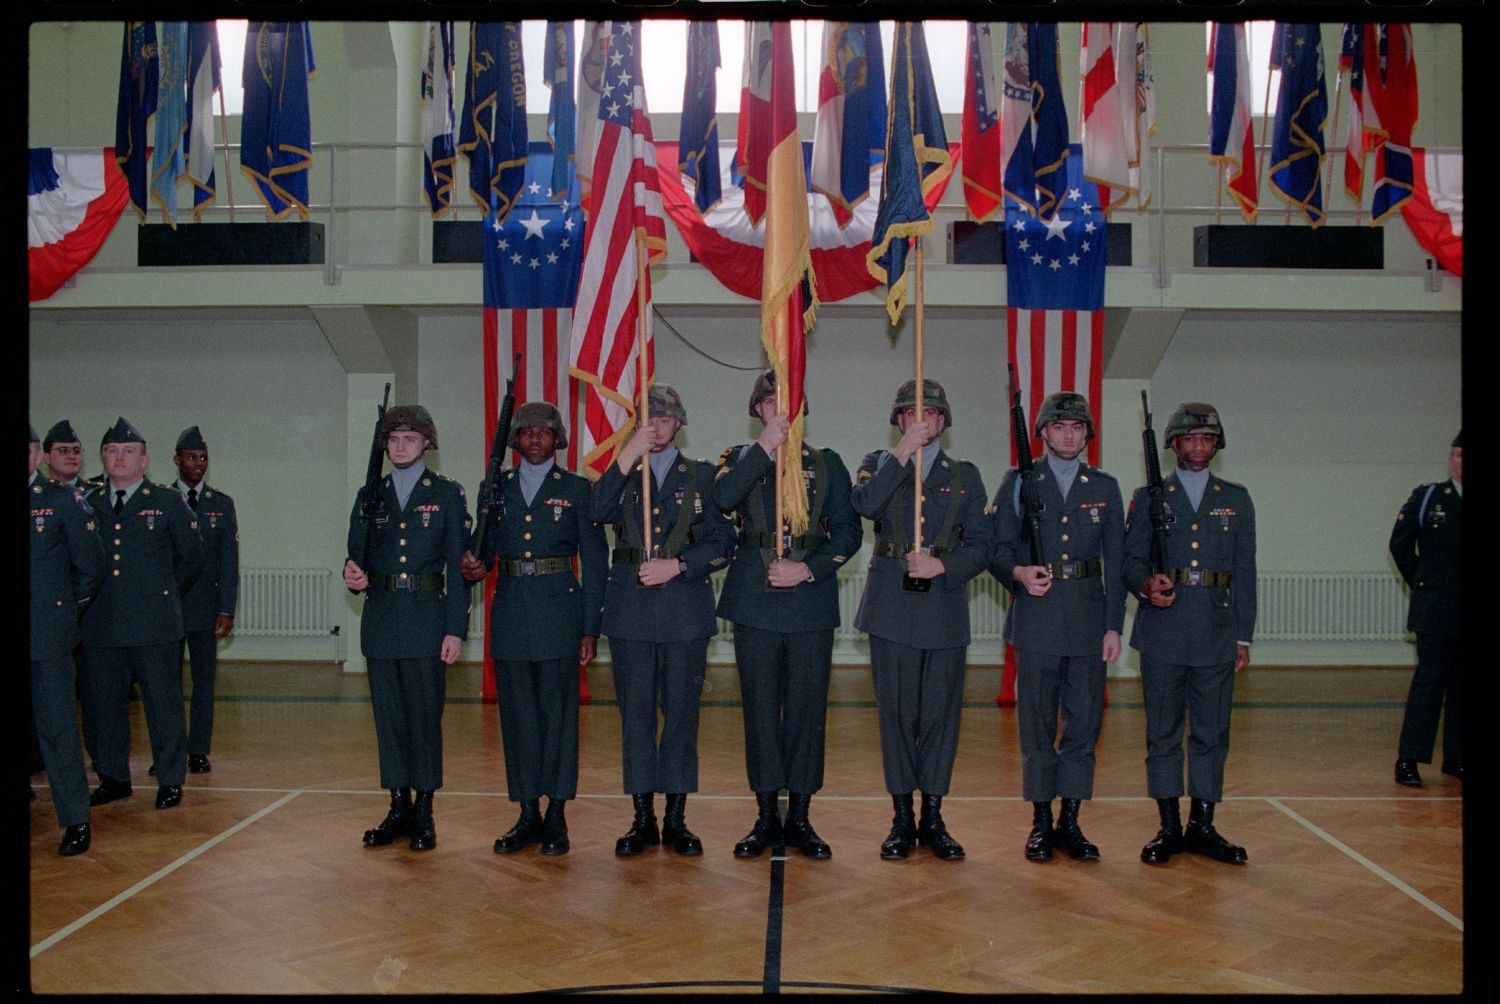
{"x": 1039, "y": 840}
{"x": 1168, "y": 840}
{"x": 767, "y": 829}
{"x": 555, "y": 828}
{"x": 1200, "y": 837}
{"x": 528, "y": 828}
{"x": 643, "y": 832}
{"x": 1069, "y": 837}
{"x": 932, "y": 833}
{"x": 674, "y": 829}
{"x": 397, "y": 822}
{"x": 799, "y": 832}
{"x": 903, "y": 829}
{"x": 423, "y": 831}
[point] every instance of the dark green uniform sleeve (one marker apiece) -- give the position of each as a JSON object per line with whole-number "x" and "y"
{"x": 712, "y": 533}
{"x": 1135, "y": 567}
{"x": 455, "y": 542}
{"x": 85, "y": 548}
{"x": 972, "y": 555}
{"x": 605, "y": 498}
{"x": 1112, "y": 544}
{"x": 229, "y": 560}
{"x": 738, "y": 474}
{"x": 1006, "y": 533}
{"x": 1243, "y": 585}
{"x": 845, "y": 530}
{"x": 875, "y": 484}
{"x": 1404, "y": 535}
{"x": 593, "y": 569}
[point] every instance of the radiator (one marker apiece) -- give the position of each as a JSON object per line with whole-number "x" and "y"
{"x": 287, "y": 602}
{"x": 1330, "y": 606}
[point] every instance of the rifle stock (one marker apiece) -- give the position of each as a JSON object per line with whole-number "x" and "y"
{"x": 1161, "y": 523}
{"x": 489, "y": 490}
{"x": 373, "y": 506}
{"x": 1031, "y": 503}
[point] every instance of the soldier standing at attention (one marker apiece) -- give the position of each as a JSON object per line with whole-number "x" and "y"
{"x": 1428, "y": 547}
{"x": 1065, "y": 618}
{"x": 919, "y": 637}
{"x": 784, "y": 612}
{"x": 1193, "y": 629}
{"x": 415, "y": 619}
{"x": 207, "y": 607}
{"x": 659, "y": 616}
{"x": 544, "y": 623}
{"x": 133, "y": 630}
{"x": 67, "y": 568}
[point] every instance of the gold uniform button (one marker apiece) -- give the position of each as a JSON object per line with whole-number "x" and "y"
{"x": 1195, "y": 545}
{"x": 1064, "y": 537}
{"x": 656, "y": 511}
{"x": 401, "y": 526}
{"x": 117, "y": 571}
{"x": 1065, "y": 519}
{"x": 59, "y": 602}
{"x": 528, "y": 517}
{"x": 402, "y": 542}
{"x": 1194, "y": 526}
{"x": 403, "y": 559}
{"x": 1065, "y": 557}
{"x": 166, "y": 592}
{"x": 117, "y": 541}
{"x": 526, "y": 535}
{"x": 527, "y": 554}
{"x": 1194, "y": 562}
{"x": 117, "y": 557}
{"x": 117, "y": 526}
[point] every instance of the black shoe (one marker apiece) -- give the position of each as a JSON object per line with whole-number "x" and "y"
{"x": 643, "y": 832}
{"x": 674, "y": 829}
{"x": 798, "y": 832}
{"x": 1453, "y": 768}
{"x": 528, "y": 828}
{"x": 1069, "y": 837}
{"x": 767, "y": 831}
{"x": 109, "y": 790}
{"x": 933, "y": 834}
{"x": 1200, "y": 837}
{"x": 555, "y": 829}
{"x": 898, "y": 843}
{"x": 1168, "y": 840}
{"x": 198, "y": 763}
{"x": 75, "y": 840}
{"x": 169, "y": 796}
{"x": 423, "y": 832}
{"x": 397, "y": 822}
{"x": 1406, "y": 773}
{"x": 1039, "y": 840}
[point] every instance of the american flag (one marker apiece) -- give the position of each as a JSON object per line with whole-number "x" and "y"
{"x": 625, "y": 207}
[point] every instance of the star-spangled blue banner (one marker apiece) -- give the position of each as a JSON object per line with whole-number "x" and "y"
{"x": 1058, "y": 264}
{"x": 533, "y": 256}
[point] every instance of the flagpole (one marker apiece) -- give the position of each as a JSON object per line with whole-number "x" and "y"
{"x": 1260, "y": 151}
{"x": 781, "y": 406}
{"x": 1219, "y": 196}
{"x": 224, "y": 135}
{"x": 642, "y": 375}
{"x": 916, "y": 533}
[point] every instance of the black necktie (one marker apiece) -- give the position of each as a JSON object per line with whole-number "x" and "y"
{"x": 119, "y": 501}
{"x": 193, "y": 498}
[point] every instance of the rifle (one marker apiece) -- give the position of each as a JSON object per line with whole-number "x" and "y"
{"x": 372, "y": 510}
{"x": 489, "y": 490}
{"x": 1161, "y": 522}
{"x": 1032, "y": 505}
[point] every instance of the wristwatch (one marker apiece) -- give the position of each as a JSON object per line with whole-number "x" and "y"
{"x": 681, "y": 566}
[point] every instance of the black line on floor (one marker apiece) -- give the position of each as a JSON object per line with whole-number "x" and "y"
{"x": 771, "y": 980}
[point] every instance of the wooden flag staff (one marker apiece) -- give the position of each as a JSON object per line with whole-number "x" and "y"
{"x": 643, "y": 389}
{"x": 907, "y": 581}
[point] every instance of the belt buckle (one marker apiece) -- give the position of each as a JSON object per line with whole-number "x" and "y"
{"x": 527, "y": 567}
{"x": 404, "y": 581}
{"x": 1195, "y": 576}
{"x": 786, "y": 540}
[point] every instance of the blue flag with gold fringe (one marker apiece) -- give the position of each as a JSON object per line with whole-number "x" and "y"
{"x": 136, "y": 105}
{"x": 1301, "y": 109}
{"x": 276, "y": 130}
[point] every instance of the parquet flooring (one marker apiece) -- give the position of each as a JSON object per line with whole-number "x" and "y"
{"x": 258, "y": 882}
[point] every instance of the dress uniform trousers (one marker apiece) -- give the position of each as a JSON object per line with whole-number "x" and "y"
{"x": 407, "y": 697}
{"x": 1045, "y": 683}
{"x": 157, "y": 671}
{"x": 919, "y": 693}
{"x": 203, "y": 661}
{"x": 1173, "y": 694}
{"x": 784, "y": 697}
{"x": 54, "y": 716}
{"x": 646, "y": 672}
{"x": 539, "y": 727}
{"x": 1439, "y": 676}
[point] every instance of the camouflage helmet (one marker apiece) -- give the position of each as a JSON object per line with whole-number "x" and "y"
{"x": 934, "y": 397}
{"x": 538, "y": 415}
{"x": 1193, "y": 416}
{"x": 411, "y": 418}
{"x": 765, "y": 386}
{"x": 1064, "y": 406}
{"x": 664, "y": 400}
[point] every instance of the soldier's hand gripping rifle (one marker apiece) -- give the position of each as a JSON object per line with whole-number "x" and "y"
{"x": 490, "y": 491}
{"x": 1032, "y": 505}
{"x": 372, "y": 509}
{"x": 1161, "y": 522}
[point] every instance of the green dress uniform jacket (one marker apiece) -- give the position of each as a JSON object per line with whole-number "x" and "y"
{"x": 683, "y": 608}
{"x": 746, "y": 485}
{"x": 1073, "y": 616}
{"x": 1426, "y": 543}
{"x": 1207, "y": 621}
{"x": 67, "y": 567}
{"x": 426, "y": 538}
{"x": 953, "y": 498}
{"x": 153, "y": 554}
{"x": 537, "y": 617}
{"x": 216, "y": 590}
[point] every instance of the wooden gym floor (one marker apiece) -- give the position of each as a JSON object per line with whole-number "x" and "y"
{"x": 258, "y": 882}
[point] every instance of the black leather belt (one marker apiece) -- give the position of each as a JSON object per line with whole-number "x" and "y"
{"x": 634, "y": 555}
{"x": 1076, "y": 569}
{"x": 805, "y": 542}
{"x": 407, "y": 583}
{"x": 1200, "y": 577}
{"x": 896, "y": 549}
{"x": 541, "y": 566}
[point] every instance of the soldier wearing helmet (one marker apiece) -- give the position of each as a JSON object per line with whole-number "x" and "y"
{"x": 1193, "y": 629}
{"x": 919, "y": 638}
{"x": 659, "y": 615}
{"x": 415, "y": 619}
{"x": 544, "y": 622}
{"x": 1427, "y": 546}
{"x": 784, "y": 604}
{"x": 1065, "y": 618}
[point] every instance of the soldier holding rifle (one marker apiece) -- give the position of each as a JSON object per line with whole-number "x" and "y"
{"x": 1190, "y": 558}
